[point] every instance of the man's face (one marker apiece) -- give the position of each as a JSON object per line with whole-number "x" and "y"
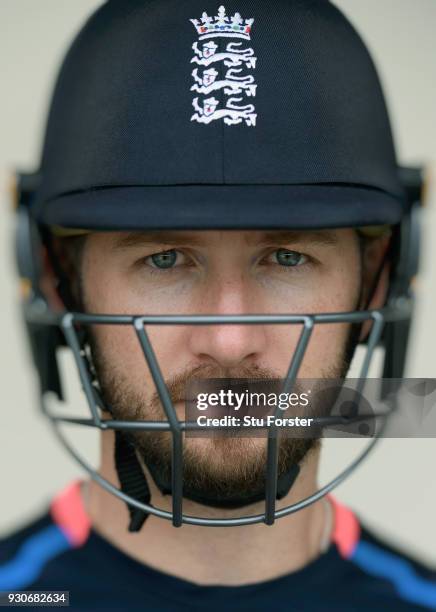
{"x": 223, "y": 273}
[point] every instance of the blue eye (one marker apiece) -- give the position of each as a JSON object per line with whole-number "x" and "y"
{"x": 165, "y": 259}
{"x": 289, "y": 258}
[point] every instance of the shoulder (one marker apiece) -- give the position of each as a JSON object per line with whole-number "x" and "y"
{"x": 383, "y": 574}
{"x": 13, "y": 541}
{"x": 30, "y": 555}
{"x": 374, "y": 545}
{"x": 25, "y": 552}
{"x": 386, "y": 560}
{"x": 394, "y": 574}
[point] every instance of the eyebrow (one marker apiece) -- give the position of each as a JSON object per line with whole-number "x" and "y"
{"x": 135, "y": 239}
{"x": 138, "y": 238}
{"x": 322, "y": 237}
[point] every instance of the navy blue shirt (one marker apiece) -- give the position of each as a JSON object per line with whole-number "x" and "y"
{"x": 61, "y": 551}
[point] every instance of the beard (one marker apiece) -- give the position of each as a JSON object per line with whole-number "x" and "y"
{"x": 221, "y": 470}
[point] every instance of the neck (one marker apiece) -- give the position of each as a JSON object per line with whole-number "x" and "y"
{"x": 206, "y": 555}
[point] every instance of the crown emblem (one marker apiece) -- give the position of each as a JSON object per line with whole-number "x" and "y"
{"x": 223, "y": 25}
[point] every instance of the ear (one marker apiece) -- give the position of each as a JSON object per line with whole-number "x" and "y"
{"x": 375, "y": 278}
{"x": 60, "y": 274}
{"x": 49, "y": 283}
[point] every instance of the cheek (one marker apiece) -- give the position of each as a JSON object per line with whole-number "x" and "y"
{"x": 124, "y": 358}
{"x": 121, "y": 295}
{"x": 337, "y": 291}
{"x": 324, "y": 357}
{"x": 334, "y": 289}
{"x": 324, "y": 353}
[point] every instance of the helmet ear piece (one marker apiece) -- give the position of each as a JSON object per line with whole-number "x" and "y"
{"x": 44, "y": 340}
{"x": 406, "y": 255}
{"x": 27, "y": 238}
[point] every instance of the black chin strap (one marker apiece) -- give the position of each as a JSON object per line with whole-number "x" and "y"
{"x": 284, "y": 484}
{"x": 132, "y": 479}
{"x": 134, "y": 484}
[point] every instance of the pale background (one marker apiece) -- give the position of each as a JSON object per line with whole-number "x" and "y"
{"x": 395, "y": 491}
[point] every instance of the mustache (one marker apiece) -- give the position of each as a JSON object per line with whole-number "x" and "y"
{"x": 178, "y": 384}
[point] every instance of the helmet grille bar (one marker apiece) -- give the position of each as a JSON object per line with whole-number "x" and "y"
{"x": 82, "y": 366}
{"x": 272, "y": 451}
{"x": 177, "y": 446}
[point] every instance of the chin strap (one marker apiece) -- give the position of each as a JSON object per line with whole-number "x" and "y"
{"x": 132, "y": 479}
{"x": 284, "y": 484}
{"x": 134, "y": 484}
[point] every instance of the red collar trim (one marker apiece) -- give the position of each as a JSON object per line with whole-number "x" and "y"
{"x": 68, "y": 512}
{"x": 346, "y": 530}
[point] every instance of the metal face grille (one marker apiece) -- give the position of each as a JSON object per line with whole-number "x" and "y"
{"x": 69, "y": 323}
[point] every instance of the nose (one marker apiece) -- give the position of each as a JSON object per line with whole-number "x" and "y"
{"x": 228, "y": 345}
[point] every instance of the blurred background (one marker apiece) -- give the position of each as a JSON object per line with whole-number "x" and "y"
{"x": 394, "y": 492}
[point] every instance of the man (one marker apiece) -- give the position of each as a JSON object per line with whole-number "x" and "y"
{"x": 175, "y": 235}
